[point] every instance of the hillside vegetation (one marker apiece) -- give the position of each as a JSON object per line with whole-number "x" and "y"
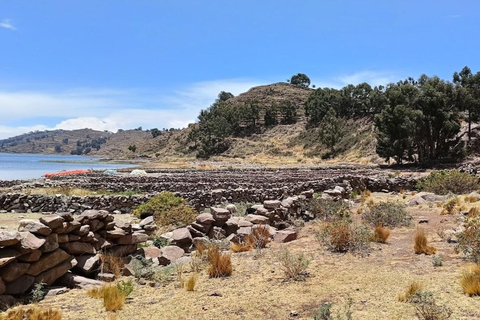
{"x": 424, "y": 121}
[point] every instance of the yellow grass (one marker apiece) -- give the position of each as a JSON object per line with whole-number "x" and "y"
{"x": 381, "y": 234}
{"x": 470, "y": 199}
{"x": 65, "y": 190}
{"x": 410, "y": 291}
{"x": 113, "y": 298}
{"x": 191, "y": 282}
{"x": 470, "y": 280}
{"x": 474, "y": 212}
{"x": 220, "y": 263}
{"x": 32, "y": 313}
{"x": 421, "y": 243}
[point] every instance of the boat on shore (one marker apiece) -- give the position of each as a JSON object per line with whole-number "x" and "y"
{"x": 66, "y": 173}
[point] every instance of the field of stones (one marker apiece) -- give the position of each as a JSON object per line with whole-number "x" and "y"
{"x": 286, "y": 244}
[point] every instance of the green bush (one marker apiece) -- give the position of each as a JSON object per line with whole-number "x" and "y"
{"x": 387, "y": 214}
{"x": 444, "y": 182}
{"x": 125, "y": 287}
{"x": 328, "y": 210}
{"x": 168, "y": 210}
{"x": 342, "y": 236}
{"x": 469, "y": 239}
{"x": 294, "y": 266}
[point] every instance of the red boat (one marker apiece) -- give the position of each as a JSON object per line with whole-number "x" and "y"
{"x": 66, "y": 173}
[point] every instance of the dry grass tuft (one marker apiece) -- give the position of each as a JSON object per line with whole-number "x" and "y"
{"x": 191, "y": 282}
{"x": 365, "y": 194}
{"x": 451, "y": 206}
{"x": 113, "y": 297}
{"x": 421, "y": 243}
{"x": 470, "y": 280}
{"x": 381, "y": 234}
{"x": 220, "y": 263}
{"x": 112, "y": 263}
{"x": 470, "y": 199}
{"x": 32, "y": 313}
{"x": 241, "y": 247}
{"x": 409, "y": 293}
{"x": 474, "y": 212}
{"x": 111, "y": 316}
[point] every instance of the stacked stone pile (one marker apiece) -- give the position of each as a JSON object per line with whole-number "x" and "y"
{"x": 45, "y": 250}
{"x": 220, "y": 224}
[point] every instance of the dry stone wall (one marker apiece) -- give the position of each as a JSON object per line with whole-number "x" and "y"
{"x": 46, "y": 249}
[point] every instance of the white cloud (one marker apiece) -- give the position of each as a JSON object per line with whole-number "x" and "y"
{"x": 374, "y": 78}
{"x": 7, "y": 24}
{"x": 111, "y": 109}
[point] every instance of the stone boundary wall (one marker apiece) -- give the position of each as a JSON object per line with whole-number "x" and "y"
{"x": 46, "y": 249}
{"x": 199, "y": 198}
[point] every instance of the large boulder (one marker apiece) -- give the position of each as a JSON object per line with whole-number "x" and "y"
{"x": 8, "y": 255}
{"x": 182, "y": 236}
{"x": 29, "y": 242}
{"x": 272, "y": 204}
{"x": 9, "y": 238}
{"x": 33, "y": 226}
{"x": 77, "y": 248}
{"x": 285, "y": 236}
{"x": 13, "y": 271}
{"x": 257, "y": 219}
{"x": 133, "y": 238}
{"x": 47, "y": 261}
{"x": 31, "y": 256}
{"x": 72, "y": 281}
{"x": 56, "y": 272}
{"x": 51, "y": 243}
{"x": 170, "y": 254}
{"x": 220, "y": 216}
{"x": 19, "y": 286}
{"x": 87, "y": 264}
{"x": 52, "y": 221}
{"x": 205, "y": 218}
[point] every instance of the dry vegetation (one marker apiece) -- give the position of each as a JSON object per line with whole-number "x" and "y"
{"x": 257, "y": 288}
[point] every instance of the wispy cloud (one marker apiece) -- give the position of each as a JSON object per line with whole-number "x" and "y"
{"x": 7, "y": 24}
{"x": 455, "y": 16}
{"x": 374, "y": 78}
{"x": 110, "y": 109}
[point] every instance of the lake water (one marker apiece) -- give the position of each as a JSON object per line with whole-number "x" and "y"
{"x": 32, "y": 166}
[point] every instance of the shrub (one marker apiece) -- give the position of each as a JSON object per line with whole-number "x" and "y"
{"x": 220, "y": 263}
{"x": 387, "y": 214}
{"x": 437, "y": 261}
{"x": 381, "y": 234}
{"x": 408, "y": 295}
{"x": 450, "y": 206}
{"x": 470, "y": 199}
{"x": 126, "y": 287}
{"x": 421, "y": 243}
{"x": 341, "y": 236}
{"x": 294, "y": 266}
{"x": 37, "y": 293}
{"x": 427, "y": 309}
{"x": 444, "y": 182}
{"x": 469, "y": 239}
{"x": 32, "y": 313}
{"x": 473, "y": 212}
{"x": 470, "y": 280}
{"x": 328, "y": 210}
{"x": 168, "y": 210}
{"x": 323, "y": 312}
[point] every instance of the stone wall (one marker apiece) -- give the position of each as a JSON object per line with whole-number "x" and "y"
{"x": 46, "y": 249}
{"x": 200, "y": 196}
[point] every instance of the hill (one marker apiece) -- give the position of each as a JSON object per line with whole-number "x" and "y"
{"x": 282, "y": 143}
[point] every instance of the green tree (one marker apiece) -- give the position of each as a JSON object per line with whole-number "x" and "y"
{"x": 224, "y": 96}
{"x": 288, "y": 112}
{"x": 300, "y": 80}
{"x": 468, "y": 94}
{"x": 319, "y": 102}
{"x": 270, "y": 116}
{"x": 132, "y": 148}
{"x": 331, "y": 130}
{"x": 155, "y": 132}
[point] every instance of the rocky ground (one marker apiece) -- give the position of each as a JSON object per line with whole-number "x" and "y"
{"x": 257, "y": 288}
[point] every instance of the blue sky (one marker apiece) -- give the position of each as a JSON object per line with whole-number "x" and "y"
{"x": 124, "y": 64}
